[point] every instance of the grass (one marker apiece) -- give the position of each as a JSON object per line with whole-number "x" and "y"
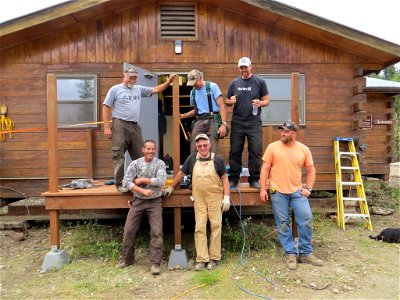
{"x": 92, "y": 274}
{"x": 206, "y": 277}
{"x": 88, "y": 238}
{"x": 94, "y": 247}
{"x": 257, "y": 234}
{"x": 379, "y": 193}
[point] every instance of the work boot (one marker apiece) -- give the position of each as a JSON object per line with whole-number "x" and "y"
{"x": 199, "y": 266}
{"x": 291, "y": 261}
{"x": 212, "y": 264}
{"x": 122, "y": 189}
{"x": 155, "y": 270}
{"x": 310, "y": 259}
{"x": 255, "y": 185}
{"x": 122, "y": 265}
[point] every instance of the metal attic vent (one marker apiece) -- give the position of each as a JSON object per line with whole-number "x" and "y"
{"x": 178, "y": 21}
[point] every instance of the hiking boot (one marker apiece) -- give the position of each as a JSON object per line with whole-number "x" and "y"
{"x": 232, "y": 184}
{"x": 199, "y": 266}
{"x": 155, "y": 270}
{"x": 212, "y": 264}
{"x": 310, "y": 259}
{"x": 122, "y": 189}
{"x": 255, "y": 185}
{"x": 291, "y": 261}
{"x": 122, "y": 265}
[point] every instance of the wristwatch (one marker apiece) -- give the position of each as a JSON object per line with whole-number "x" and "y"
{"x": 224, "y": 122}
{"x": 309, "y": 189}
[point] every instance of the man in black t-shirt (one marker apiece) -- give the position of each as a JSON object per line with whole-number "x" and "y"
{"x": 248, "y": 93}
{"x": 211, "y": 196}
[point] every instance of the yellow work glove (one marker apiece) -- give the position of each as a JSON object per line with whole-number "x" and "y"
{"x": 167, "y": 192}
{"x": 226, "y": 203}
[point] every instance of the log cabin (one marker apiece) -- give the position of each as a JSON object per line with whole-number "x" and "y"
{"x": 85, "y": 43}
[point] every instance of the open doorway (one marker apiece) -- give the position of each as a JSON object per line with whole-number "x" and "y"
{"x": 165, "y": 107}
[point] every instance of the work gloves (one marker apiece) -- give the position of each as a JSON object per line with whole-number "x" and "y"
{"x": 226, "y": 203}
{"x": 167, "y": 192}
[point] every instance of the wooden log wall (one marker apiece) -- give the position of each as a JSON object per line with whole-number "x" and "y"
{"x": 101, "y": 45}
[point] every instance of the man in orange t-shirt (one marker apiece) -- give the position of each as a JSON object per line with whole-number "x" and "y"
{"x": 282, "y": 164}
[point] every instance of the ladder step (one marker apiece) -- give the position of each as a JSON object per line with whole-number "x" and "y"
{"x": 349, "y": 168}
{"x": 351, "y": 183}
{"x": 354, "y": 199}
{"x": 348, "y": 153}
{"x": 342, "y": 139}
{"x": 353, "y": 215}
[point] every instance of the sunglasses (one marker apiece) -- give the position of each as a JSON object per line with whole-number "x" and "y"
{"x": 290, "y": 126}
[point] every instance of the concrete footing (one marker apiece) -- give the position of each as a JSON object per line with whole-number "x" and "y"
{"x": 55, "y": 259}
{"x": 178, "y": 259}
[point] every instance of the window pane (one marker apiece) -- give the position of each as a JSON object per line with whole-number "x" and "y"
{"x": 75, "y": 89}
{"x": 77, "y": 100}
{"x": 74, "y": 113}
{"x": 278, "y": 87}
{"x": 275, "y": 112}
{"x": 279, "y": 109}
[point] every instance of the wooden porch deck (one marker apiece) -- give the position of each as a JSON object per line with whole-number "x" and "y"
{"x": 107, "y": 197}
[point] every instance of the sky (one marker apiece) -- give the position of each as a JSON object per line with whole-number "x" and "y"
{"x": 375, "y": 17}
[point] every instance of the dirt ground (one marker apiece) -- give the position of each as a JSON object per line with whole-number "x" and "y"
{"x": 355, "y": 267}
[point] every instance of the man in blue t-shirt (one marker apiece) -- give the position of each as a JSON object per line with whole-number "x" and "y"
{"x": 208, "y": 111}
{"x": 248, "y": 93}
{"x": 122, "y": 104}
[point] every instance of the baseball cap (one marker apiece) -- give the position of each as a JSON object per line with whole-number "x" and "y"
{"x": 193, "y": 76}
{"x": 289, "y": 125}
{"x": 201, "y": 136}
{"x": 130, "y": 70}
{"x": 244, "y": 61}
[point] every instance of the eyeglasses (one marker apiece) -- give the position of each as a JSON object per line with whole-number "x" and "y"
{"x": 202, "y": 146}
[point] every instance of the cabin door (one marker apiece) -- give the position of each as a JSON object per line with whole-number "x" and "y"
{"x": 148, "y": 119}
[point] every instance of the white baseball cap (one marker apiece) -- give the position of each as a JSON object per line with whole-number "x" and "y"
{"x": 244, "y": 61}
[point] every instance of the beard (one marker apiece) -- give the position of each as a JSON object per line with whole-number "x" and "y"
{"x": 130, "y": 85}
{"x": 287, "y": 139}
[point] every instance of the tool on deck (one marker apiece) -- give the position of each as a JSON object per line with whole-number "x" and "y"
{"x": 79, "y": 184}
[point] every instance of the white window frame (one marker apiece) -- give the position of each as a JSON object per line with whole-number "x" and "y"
{"x": 72, "y": 100}
{"x": 273, "y": 115}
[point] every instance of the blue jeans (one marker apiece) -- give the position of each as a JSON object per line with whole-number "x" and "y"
{"x": 303, "y": 215}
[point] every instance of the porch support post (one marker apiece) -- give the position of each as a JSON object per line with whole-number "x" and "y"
{"x": 177, "y": 154}
{"x": 55, "y": 258}
{"x": 295, "y": 100}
